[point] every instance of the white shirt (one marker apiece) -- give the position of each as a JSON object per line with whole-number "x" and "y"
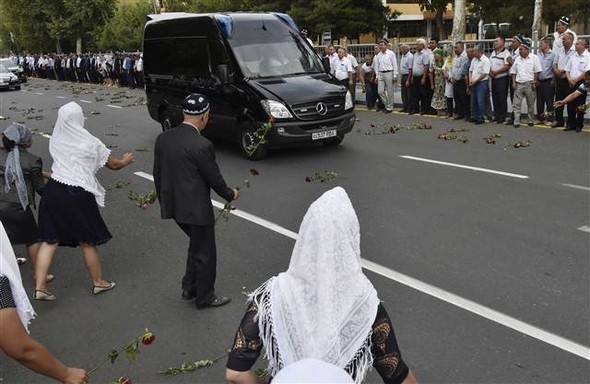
{"x": 343, "y": 68}
{"x": 498, "y": 60}
{"x": 480, "y": 66}
{"x": 525, "y": 68}
{"x": 457, "y": 65}
{"x": 421, "y": 59}
{"x": 405, "y": 65}
{"x": 386, "y": 62}
{"x": 578, "y": 64}
{"x": 353, "y": 60}
{"x": 333, "y": 62}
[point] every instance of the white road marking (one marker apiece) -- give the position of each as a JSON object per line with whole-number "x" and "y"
{"x": 585, "y": 228}
{"x": 114, "y": 106}
{"x": 61, "y": 97}
{"x": 577, "y": 187}
{"x": 45, "y": 135}
{"x": 85, "y": 101}
{"x": 466, "y": 304}
{"x": 39, "y": 93}
{"x": 478, "y": 169}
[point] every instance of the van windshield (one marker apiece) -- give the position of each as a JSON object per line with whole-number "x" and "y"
{"x": 281, "y": 56}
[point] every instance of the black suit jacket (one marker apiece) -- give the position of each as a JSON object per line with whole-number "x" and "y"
{"x": 185, "y": 171}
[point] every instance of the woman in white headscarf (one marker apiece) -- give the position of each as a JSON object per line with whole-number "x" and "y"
{"x": 323, "y": 307}
{"x": 16, "y": 313}
{"x": 21, "y": 176}
{"x": 68, "y": 212}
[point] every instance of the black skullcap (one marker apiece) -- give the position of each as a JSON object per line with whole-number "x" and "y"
{"x": 526, "y": 43}
{"x": 564, "y": 20}
{"x": 518, "y": 37}
{"x": 195, "y": 104}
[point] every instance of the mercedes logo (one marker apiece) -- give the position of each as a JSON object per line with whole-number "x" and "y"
{"x": 321, "y": 108}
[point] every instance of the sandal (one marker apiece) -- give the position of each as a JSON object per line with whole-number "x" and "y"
{"x": 50, "y": 277}
{"x": 21, "y": 260}
{"x": 100, "y": 289}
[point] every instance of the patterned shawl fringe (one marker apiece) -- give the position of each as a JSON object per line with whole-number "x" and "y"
{"x": 362, "y": 361}
{"x": 358, "y": 367}
{"x": 261, "y": 297}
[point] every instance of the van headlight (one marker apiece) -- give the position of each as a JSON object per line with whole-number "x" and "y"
{"x": 348, "y": 101}
{"x": 276, "y": 109}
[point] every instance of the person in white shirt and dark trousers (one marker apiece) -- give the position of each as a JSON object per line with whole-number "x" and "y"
{"x": 525, "y": 79}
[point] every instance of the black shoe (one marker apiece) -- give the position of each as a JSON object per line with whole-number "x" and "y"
{"x": 188, "y": 295}
{"x": 216, "y": 302}
{"x": 509, "y": 122}
{"x": 478, "y": 122}
{"x": 579, "y": 129}
{"x": 556, "y": 124}
{"x": 458, "y": 117}
{"x": 569, "y": 129}
{"x": 387, "y": 111}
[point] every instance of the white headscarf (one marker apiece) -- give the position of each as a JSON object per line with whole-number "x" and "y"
{"x": 323, "y": 306}
{"x": 9, "y": 268}
{"x": 13, "y": 173}
{"x": 77, "y": 155}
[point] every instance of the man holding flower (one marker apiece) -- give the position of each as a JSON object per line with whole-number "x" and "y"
{"x": 185, "y": 171}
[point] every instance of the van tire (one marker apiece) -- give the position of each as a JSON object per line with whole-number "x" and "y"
{"x": 245, "y": 139}
{"x": 334, "y": 141}
{"x": 166, "y": 121}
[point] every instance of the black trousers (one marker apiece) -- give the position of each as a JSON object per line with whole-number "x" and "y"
{"x": 575, "y": 118}
{"x": 562, "y": 88}
{"x": 406, "y": 95}
{"x": 417, "y": 97}
{"x": 201, "y": 261}
{"x": 545, "y": 95}
{"x": 500, "y": 97}
{"x": 461, "y": 99}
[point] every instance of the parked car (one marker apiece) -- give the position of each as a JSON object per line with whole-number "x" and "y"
{"x": 259, "y": 72}
{"x": 8, "y": 79}
{"x": 15, "y": 68}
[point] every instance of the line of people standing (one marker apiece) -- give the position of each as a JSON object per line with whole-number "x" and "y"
{"x": 111, "y": 69}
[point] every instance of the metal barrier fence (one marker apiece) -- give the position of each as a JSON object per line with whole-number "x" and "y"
{"x": 360, "y": 50}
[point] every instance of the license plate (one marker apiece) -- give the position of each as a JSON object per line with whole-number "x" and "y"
{"x": 323, "y": 134}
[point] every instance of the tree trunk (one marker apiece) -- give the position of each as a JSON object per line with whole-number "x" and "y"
{"x": 537, "y": 19}
{"x": 442, "y": 35}
{"x": 79, "y": 45}
{"x": 58, "y": 46}
{"x": 459, "y": 21}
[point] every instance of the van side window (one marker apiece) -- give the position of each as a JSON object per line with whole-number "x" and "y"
{"x": 190, "y": 59}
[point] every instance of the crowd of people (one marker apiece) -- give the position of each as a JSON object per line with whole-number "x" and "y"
{"x": 110, "y": 69}
{"x": 466, "y": 83}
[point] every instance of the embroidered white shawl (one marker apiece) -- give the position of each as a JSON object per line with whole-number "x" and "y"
{"x": 77, "y": 155}
{"x": 323, "y": 306}
{"x": 9, "y": 268}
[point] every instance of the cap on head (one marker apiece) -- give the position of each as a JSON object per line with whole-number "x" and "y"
{"x": 564, "y": 20}
{"x": 195, "y": 104}
{"x": 518, "y": 38}
{"x": 527, "y": 43}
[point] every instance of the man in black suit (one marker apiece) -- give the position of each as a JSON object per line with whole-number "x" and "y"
{"x": 185, "y": 171}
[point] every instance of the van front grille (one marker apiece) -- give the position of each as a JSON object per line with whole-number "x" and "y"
{"x": 319, "y": 109}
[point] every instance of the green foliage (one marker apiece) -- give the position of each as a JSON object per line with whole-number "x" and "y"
{"x": 124, "y": 31}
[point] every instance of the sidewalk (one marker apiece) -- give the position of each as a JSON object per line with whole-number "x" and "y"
{"x": 397, "y": 103}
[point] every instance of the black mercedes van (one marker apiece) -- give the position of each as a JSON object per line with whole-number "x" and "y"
{"x": 255, "y": 68}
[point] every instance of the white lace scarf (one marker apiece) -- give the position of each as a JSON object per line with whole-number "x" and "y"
{"x": 9, "y": 268}
{"x": 13, "y": 173}
{"x": 323, "y": 306}
{"x": 77, "y": 155}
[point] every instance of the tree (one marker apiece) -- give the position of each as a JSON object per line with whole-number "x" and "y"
{"x": 439, "y": 7}
{"x": 124, "y": 31}
{"x": 459, "y": 20}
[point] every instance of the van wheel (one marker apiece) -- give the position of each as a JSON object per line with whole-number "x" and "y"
{"x": 166, "y": 121}
{"x": 334, "y": 141}
{"x": 248, "y": 143}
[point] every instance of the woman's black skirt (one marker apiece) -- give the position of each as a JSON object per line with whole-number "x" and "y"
{"x": 69, "y": 216}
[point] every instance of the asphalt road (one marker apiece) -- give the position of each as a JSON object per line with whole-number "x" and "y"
{"x": 479, "y": 251}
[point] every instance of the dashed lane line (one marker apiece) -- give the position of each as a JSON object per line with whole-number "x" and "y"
{"x": 585, "y": 228}
{"x": 577, "y": 187}
{"x": 114, "y": 106}
{"x": 463, "y": 303}
{"x": 60, "y": 97}
{"x": 85, "y": 101}
{"x": 478, "y": 169}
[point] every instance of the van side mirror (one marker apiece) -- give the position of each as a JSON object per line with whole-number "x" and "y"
{"x": 222, "y": 72}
